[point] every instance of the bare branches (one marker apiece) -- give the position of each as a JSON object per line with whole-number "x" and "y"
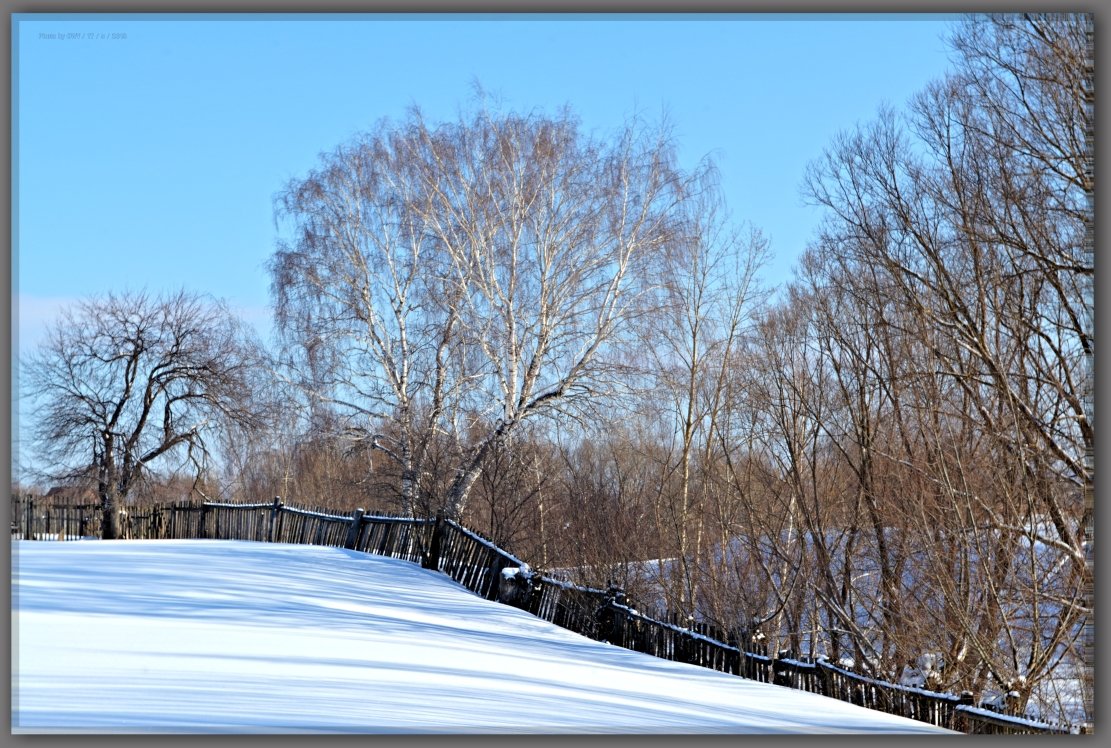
{"x": 125, "y": 380}
{"x": 956, "y": 234}
{"x": 473, "y": 275}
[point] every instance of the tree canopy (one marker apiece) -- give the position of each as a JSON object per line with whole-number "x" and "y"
{"x": 127, "y": 381}
{"x": 448, "y": 283}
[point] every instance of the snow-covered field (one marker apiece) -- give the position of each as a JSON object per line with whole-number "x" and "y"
{"x": 222, "y": 636}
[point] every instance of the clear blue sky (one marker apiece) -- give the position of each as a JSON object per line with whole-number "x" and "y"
{"x": 151, "y": 161}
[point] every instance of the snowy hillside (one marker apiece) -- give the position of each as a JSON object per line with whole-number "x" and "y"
{"x": 221, "y": 636}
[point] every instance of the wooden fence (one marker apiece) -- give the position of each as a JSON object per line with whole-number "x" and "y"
{"x": 44, "y": 519}
{"x": 478, "y": 564}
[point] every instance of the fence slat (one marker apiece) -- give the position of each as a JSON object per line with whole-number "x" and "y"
{"x": 476, "y": 563}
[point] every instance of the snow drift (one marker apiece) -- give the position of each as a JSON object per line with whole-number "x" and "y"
{"x": 229, "y": 636}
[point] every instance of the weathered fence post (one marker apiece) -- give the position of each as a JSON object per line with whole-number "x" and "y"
{"x": 355, "y": 530}
{"x": 825, "y": 685}
{"x": 28, "y": 528}
{"x": 204, "y": 524}
{"x": 606, "y": 614}
{"x": 961, "y": 723}
{"x": 277, "y": 507}
{"x": 432, "y": 558}
{"x": 735, "y": 659}
{"x": 493, "y": 576}
{"x": 620, "y": 624}
{"x": 781, "y": 673}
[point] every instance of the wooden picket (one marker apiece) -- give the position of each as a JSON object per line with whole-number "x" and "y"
{"x": 477, "y": 564}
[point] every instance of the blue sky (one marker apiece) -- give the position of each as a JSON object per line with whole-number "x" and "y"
{"x": 147, "y": 149}
{"x": 152, "y": 160}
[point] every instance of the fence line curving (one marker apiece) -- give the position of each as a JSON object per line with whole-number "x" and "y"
{"x": 477, "y": 564}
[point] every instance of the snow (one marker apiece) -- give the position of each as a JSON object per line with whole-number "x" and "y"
{"x": 1011, "y": 720}
{"x": 523, "y": 571}
{"x": 201, "y": 636}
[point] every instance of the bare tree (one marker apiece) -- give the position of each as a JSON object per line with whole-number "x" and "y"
{"x": 816, "y": 519}
{"x": 706, "y": 299}
{"x": 126, "y": 382}
{"x": 474, "y": 273}
{"x": 609, "y": 479}
{"x": 968, "y": 219}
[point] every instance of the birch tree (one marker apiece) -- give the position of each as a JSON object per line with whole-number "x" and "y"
{"x": 706, "y": 303}
{"x": 453, "y": 281}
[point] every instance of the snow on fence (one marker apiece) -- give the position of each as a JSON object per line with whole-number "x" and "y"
{"x": 493, "y": 573}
